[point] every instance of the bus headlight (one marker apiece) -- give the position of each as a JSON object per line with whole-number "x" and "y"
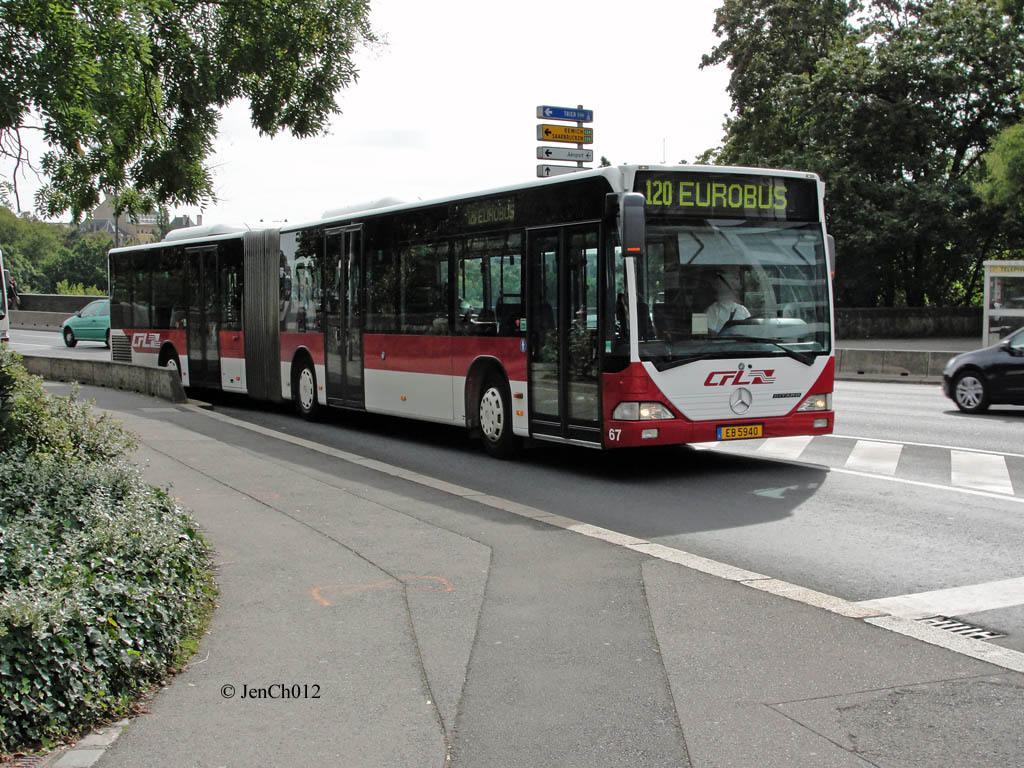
{"x": 641, "y": 412}
{"x": 816, "y": 403}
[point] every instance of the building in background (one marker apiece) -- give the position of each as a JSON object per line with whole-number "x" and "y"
{"x": 125, "y": 231}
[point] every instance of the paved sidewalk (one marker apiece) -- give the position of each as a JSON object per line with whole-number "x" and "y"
{"x": 370, "y": 617}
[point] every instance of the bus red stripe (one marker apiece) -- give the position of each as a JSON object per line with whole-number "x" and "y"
{"x": 441, "y": 355}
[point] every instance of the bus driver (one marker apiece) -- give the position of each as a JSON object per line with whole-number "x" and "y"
{"x": 726, "y": 308}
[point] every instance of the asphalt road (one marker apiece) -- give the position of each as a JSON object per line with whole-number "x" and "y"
{"x": 909, "y": 496}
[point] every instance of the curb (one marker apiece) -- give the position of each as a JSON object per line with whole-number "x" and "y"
{"x": 83, "y": 754}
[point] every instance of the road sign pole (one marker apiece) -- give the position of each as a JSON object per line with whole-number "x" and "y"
{"x": 579, "y": 163}
{"x": 580, "y": 135}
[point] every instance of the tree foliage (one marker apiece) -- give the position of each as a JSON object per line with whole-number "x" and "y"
{"x": 40, "y": 255}
{"x": 127, "y": 93}
{"x": 896, "y": 104}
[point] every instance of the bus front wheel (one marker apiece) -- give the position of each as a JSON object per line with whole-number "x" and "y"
{"x": 495, "y": 418}
{"x": 304, "y": 391}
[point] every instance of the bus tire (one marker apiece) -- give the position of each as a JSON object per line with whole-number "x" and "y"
{"x": 304, "y": 391}
{"x": 169, "y": 359}
{"x": 69, "y": 337}
{"x": 494, "y": 415}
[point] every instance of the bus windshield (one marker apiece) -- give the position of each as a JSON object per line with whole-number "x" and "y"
{"x": 717, "y": 288}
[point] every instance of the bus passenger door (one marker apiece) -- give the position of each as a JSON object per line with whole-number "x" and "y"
{"x": 203, "y": 318}
{"x": 343, "y": 313}
{"x": 562, "y": 331}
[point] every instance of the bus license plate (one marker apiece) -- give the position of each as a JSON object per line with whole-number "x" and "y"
{"x": 740, "y": 431}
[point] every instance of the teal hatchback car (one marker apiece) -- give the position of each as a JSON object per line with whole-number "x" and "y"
{"x": 90, "y": 323}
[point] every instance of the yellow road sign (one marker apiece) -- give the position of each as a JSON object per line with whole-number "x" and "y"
{"x": 568, "y": 133}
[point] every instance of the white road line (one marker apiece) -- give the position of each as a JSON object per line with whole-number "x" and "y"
{"x": 934, "y": 486}
{"x": 872, "y": 456}
{"x": 785, "y": 447}
{"x": 928, "y": 445}
{"x": 979, "y": 470}
{"x": 956, "y": 601}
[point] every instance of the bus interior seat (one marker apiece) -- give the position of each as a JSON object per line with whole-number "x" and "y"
{"x": 546, "y": 317}
{"x": 664, "y": 322}
{"x": 485, "y": 323}
{"x": 506, "y": 313}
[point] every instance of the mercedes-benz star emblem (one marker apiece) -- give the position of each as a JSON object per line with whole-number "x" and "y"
{"x": 741, "y": 400}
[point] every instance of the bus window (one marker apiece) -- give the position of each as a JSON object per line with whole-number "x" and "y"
{"x": 5, "y": 322}
{"x": 490, "y": 286}
{"x": 304, "y": 312}
{"x": 169, "y": 289}
{"x": 288, "y": 285}
{"x": 142, "y": 290}
{"x": 423, "y": 299}
{"x": 121, "y": 290}
{"x": 230, "y": 288}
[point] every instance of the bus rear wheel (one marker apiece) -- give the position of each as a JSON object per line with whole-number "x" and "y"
{"x": 169, "y": 359}
{"x": 304, "y": 391}
{"x": 494, "y": 414}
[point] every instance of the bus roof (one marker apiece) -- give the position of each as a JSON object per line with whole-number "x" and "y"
{"x": 620, "y": 178}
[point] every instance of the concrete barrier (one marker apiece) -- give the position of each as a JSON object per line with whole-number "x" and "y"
{"x": 38, "y": 321}
{"x": 889, "y": 364}
{"x": 55, "y": 302}
{"x": 156, "y": 382}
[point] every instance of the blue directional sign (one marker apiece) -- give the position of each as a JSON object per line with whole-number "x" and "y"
{"x": 565, "y": 113}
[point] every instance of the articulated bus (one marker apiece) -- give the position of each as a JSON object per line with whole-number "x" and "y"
{"x": 614, "y": 307}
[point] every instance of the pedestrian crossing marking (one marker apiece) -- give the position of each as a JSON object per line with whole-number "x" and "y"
{"x": 978, "y": 472}
{"x": 871, "y": 456}
{"x": 785, "y": 447}
{"x": 984, "y": 471}
{"x": 956, "y": 601}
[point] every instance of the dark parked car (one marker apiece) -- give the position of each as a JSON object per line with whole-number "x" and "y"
{"x": 975, "y": 380}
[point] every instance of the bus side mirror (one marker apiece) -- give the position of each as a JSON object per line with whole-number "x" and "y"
{"x": 632, "y": 220}
{"x": 830, "y": 243}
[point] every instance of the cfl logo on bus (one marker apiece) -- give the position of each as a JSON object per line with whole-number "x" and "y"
{"x": 145, "y": 341}
{"x": 738, "y": 378}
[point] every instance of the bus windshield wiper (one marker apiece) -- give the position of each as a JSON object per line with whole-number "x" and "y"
{"x": 802, "y": 357}
{"x": 683, "y": 361}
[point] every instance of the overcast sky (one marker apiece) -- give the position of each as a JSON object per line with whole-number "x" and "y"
{"x": 448, "y": 104}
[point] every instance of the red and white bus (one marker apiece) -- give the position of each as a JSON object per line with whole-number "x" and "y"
{"x": 621, "y": 306}
{"x": 5, "y": 320}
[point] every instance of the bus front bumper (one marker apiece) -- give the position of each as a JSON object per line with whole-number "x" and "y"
{"x": 631, "y": 434}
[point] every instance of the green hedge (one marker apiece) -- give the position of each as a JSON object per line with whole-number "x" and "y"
{"x": 102, "y": 577}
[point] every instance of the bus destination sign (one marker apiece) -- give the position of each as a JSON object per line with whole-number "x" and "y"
{"x": 728, "y": 196}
